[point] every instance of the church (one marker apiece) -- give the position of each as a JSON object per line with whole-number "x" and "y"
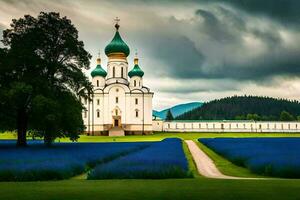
{"x": 120, "y": 104}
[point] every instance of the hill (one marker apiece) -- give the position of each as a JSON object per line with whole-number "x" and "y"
{"x": 245, "y": 107}
{"x": 178, "y": 109}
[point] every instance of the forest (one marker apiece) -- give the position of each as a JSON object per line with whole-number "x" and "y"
{"x": 246, "y": 108}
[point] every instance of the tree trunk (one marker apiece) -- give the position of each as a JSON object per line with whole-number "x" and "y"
{"x": 48, "y": 139}
{"x": 22, "y": 120}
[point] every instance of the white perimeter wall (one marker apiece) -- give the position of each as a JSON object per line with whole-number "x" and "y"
{"x": 225, "y": 126}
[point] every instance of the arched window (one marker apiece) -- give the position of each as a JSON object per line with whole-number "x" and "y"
{"x": 134, "y": 83}
{"x": 139, "y": 83}
{"x": 136, "y": 101}
{"x": 114, "y": 72}
{"x": 98, "y": 113}
{"x": 122, "y": 72}
{"x": 117, "y": 112}
{"x": 98, "y": 101}
{"x": 97, "y": 83}
{"x": 136, "y": 113}
{"x": 117, "y": 99}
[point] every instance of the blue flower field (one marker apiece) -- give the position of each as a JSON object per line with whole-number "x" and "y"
{"x": 61, "y": 161}
{"x": 165, "y": 159}
{"x": 278, "y": 157}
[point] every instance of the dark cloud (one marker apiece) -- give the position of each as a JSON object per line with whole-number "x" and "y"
{"x": 285, "y": 11}
{"x": 220, "y": 51}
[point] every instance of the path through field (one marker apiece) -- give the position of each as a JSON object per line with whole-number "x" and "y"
{"x": 205, "y": 165}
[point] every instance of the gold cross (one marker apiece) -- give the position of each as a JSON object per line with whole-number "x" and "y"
{"x": 117, "y": 20}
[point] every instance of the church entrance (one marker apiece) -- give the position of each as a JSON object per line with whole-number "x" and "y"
{"x": 116, "y": 123}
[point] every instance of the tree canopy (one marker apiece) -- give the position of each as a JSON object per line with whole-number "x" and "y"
{"x": 41, "y": 77}
{"x": 245, "y": 108}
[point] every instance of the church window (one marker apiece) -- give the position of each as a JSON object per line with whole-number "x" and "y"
{"x": 139, "y": 83}
{"x": 117, "y": 112}
{"x": 114, "y": 72}
{"x": 98, "y": 113}
{"x": 97, "y": 83}
{"x": 136, "y": 101}
{"x": 98, "y": 101}
{"x": 117, "y": 99}
{"x": 136, "y": 113}
{"x": 117, "y": 90}
{"x": 122, "y": 72}
{"x": 134, "y": 83}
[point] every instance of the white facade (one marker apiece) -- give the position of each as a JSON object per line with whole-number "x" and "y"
{"x": 119, "y": 105}
{"x": 226, "y": 126}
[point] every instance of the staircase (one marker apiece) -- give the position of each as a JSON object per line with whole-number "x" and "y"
{"x": 116, "y": 131}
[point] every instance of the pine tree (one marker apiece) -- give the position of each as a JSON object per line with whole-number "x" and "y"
{"x": 169, "y": 116}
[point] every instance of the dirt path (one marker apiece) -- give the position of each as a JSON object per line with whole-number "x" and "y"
{"x": 205, "y": 165}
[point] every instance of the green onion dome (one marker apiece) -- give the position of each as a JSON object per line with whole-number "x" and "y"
{"x": 136, "y": 71}
{"x": 98, "y": 71}
{"x": 117, "y": 45}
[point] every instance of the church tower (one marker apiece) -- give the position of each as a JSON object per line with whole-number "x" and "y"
{"x": 120, "y": 104}
{"x": 117, "y": 52}
{"x": 136, "y": 75}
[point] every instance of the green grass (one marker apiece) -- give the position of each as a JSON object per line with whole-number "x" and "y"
{"x": 225, "y": 166}
{"x": 153, "y": 189}
{"x": 160, "y": 136}
{"x": 191, "y": 164}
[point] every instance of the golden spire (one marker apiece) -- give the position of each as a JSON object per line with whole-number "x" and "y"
{"x": 136, "y": 60}
{"x": 98, "y": 59}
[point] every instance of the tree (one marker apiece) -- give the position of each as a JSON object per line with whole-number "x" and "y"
{"x": 254, "y": 117}
{"x": 41, "y": 76}
{"x": 286, "y": 116}
{"x": 169, "y": 115}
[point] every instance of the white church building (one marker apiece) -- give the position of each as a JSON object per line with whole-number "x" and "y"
{"x": 120, "y": 104}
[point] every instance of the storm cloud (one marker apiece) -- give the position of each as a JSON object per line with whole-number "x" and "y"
{"x": 192, "y": 50}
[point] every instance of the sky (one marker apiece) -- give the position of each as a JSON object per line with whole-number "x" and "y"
{"x": 190, "y": 50}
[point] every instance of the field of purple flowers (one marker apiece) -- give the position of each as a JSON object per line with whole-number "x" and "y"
{"x": 165, "y": 159}
{"x": 61, "y": 161}
{"x": 278, "y": 157}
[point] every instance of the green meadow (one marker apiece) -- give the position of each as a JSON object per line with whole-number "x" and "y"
{"x": 191, "y": 188}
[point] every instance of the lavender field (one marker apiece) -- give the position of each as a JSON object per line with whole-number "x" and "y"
{"x": 164, "y": 159}
{"x": 278, "y": 157}
{"x": 61, "y": 161}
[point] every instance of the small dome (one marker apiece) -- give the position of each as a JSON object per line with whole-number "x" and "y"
{"x": 117, "y": 45}
{"x": 136, "y": 71}
{"x": 98, "y": 71}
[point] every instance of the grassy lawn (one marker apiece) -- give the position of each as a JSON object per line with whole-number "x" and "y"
{"x": 160, "y": 136}
{"x": 153, "y": 189}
